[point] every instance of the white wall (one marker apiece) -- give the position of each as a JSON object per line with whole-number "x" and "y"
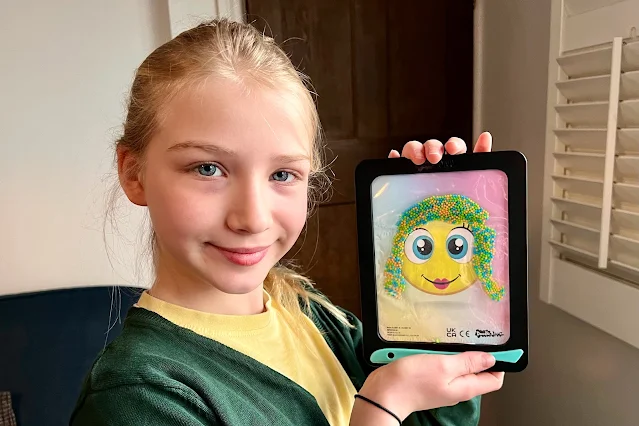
{"x": 601, "y": 25}
{"x": 65, "y": 69}
{"x": 578, "y": 375}
{"x": 185, "y": 14}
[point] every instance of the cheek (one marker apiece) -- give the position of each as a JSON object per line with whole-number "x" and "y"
{"x": 411, "y": 271}
{"x": 176, "y": 209}
{"x": 468, "y": 273}
{"x": 290, "y": 212}
{"x": 468, "y": 276}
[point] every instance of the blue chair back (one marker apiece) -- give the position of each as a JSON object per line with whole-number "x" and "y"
{"x": 48, "y": 343}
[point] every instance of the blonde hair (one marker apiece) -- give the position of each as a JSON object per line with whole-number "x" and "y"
{"x": 240, "y": 53}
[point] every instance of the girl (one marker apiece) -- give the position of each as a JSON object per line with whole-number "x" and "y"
{"x": 221, "y": 144}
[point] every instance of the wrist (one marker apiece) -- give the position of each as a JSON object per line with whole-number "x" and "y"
{"x": 366, "y": 414}
{"x": 379, "y": 406}
{"x": 384, "y": 393}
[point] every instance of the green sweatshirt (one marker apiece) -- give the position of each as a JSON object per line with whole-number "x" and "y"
{"x": 159, "y": 374}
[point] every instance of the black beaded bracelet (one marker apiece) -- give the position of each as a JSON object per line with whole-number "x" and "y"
{"x": 379, "y": 406}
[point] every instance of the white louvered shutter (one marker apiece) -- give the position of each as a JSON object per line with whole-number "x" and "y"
{"x": 594, "y": 191}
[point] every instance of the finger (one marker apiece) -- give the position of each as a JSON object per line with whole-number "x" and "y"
{"x": 484, "y": 143}
{"x": 433, "y": 150}
{"x": 455, "y": 146}
{"x": 469, "y": 386}
{"x": 414, "y": 151}
{"x": 394, "y": 154}
{"x": 498, "y": 374}
{"x": 468, "y": 363}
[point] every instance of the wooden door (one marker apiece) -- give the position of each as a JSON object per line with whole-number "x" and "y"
{"x": 385, "y": 72}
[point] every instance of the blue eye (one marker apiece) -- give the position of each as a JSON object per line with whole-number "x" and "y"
{"x": 282, "y": 176}
{"x": 208, "y": 169}
{"x": 459, "y": 245}
{"x": 419, "y": 246}
{"x": 423, "y": 247}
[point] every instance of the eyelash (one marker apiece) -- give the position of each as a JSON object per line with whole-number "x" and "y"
{"x": 465, "y": 226}
{"x": 296, "y": 176}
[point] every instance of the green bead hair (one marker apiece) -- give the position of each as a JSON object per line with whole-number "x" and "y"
{"x": 451, "y": 208}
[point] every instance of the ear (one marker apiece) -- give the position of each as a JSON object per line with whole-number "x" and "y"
{"x": 130, "y": 176}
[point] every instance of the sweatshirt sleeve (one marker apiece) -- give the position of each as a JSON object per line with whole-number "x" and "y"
{"x": 142, "y": 404}
{"x": 465, "y": 413}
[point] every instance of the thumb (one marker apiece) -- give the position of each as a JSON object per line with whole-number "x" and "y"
{"x": 471, "y": 363}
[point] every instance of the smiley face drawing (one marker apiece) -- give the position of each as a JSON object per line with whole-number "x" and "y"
{"x": 442, "y": 246}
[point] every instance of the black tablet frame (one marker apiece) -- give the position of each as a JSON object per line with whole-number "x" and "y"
{"x": 514, "y": 165}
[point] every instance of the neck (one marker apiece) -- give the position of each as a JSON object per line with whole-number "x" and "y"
{"x": 199, "y": 295}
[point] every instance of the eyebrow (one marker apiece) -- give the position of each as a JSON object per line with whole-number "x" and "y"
{"x": 291, "y": 158}
{"x": 207, "y": 147}
{"x": 214, "y": 149}
{"x": 463, "y": 227}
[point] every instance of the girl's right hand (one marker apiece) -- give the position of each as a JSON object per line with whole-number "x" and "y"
{"x": 423, "y": 382}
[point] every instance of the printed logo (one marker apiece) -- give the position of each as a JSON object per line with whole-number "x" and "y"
{"x": 488, "y": 333}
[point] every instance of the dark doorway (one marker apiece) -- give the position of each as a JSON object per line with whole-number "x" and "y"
{"x": 385, "y": 72}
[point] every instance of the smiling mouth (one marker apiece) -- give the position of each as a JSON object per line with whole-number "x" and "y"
{"x": 441, "y": 283}
{"x": 243, "y": 256}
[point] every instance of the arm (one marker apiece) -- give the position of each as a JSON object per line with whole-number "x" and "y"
{"x": 365, "y": 414}
{"x": 464, "y": 413}
{"x": 142, "y": 404}
{"x": 427, "y": 381}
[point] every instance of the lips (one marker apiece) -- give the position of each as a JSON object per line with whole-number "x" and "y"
{"x": 243, "y": 256}
{"x": 441, "y": 283}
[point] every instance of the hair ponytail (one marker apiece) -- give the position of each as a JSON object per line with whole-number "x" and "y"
{"x": 289, "y": 288}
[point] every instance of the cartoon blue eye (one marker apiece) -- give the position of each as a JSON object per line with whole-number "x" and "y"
{"x": 419, "y": 246}
{"x": 423, "y": 247}
{"x": 459, "y": 245}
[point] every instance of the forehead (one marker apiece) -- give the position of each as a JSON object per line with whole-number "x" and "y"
{"x": 437, "y": 226}
{"x": 247, "y": 119}
{"x": 441, "y": 226}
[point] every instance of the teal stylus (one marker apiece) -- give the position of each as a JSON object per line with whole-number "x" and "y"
{"x": 384, "y": 356}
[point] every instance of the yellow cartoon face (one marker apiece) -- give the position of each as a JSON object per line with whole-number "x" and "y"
{"x": 442, "y": 246}
{"x": 436, "y": 258}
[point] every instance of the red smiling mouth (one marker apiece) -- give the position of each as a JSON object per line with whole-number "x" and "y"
{"x": 441, "y": 283}
{"x": 243, "y": 256}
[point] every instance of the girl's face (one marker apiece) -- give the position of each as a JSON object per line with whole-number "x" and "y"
{"x": 225, "y": 180}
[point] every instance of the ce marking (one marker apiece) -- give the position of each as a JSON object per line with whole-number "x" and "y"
{"x": 464, "y": 333}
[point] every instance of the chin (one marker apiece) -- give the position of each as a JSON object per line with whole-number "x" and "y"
{"x": 241, "y": 287}
{"x": 234, "y": 281}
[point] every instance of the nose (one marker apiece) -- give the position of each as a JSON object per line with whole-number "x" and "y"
{"x": 249, "y": 210}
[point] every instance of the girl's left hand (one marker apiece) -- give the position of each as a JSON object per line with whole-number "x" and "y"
{"x": 433, "y": 150}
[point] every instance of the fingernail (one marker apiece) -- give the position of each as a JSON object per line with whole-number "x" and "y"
{"x": 489, "y": 360}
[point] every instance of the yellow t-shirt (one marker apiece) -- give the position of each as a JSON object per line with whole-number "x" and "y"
{"x": 270, "y": 338}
